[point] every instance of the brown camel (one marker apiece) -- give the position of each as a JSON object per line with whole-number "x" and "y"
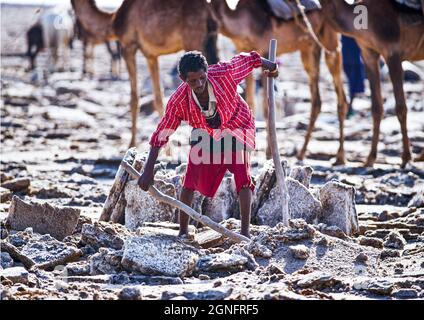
{"x": 252, "y": 24}
{"x": 90, "y": 40}
{"x": 155, "y": 27}
{"x": 390, "y": 35}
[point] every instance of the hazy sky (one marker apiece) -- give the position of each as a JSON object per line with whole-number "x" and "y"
{"x": 101, "y": 3}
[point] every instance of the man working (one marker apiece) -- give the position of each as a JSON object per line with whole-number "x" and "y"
{"x": 224, "y": 128}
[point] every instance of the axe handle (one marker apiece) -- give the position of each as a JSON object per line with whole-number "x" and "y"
{"x": 161, "y": 197}
{"x": 273, "y": 140}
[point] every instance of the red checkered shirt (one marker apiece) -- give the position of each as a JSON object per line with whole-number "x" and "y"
{"x": 235, "y": 115}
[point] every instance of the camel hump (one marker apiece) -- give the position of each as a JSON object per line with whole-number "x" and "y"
{"x": 287, "y": 9}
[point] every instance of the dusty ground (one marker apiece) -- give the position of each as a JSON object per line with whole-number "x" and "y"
{"x": 66, "y": 135}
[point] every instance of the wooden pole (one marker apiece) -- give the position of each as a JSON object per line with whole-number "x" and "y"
{"x": 281, "y": 179}
{"x": 179, "y": 205}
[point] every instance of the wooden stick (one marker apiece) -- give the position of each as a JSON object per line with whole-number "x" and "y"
{"x": 281, "y": 181}
{"x": 179, "y": 205}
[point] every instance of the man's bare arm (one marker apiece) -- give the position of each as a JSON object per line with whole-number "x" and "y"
{"x": 148, "y": 175}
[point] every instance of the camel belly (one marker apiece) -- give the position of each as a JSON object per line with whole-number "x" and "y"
{"x": 161, "y": 45}
{"x": 415, "y": 52}
{"x": 290, "y": 39}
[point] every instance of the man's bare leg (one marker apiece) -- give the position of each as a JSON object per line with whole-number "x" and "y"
{"x": 186, "y": 197}
{"x": 245, "y": 196}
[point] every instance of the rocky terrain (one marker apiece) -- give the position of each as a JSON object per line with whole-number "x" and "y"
{"x": 356, "y": 233}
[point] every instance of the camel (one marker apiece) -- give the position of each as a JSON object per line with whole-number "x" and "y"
{"x": 35, "y": 43}
{"x": 53, "y": 31}
{"x": 391, "y": 36}
{"x": 155, "y": 27}
{"x": 89, "y": 41}
{"x": 251, "y": 25}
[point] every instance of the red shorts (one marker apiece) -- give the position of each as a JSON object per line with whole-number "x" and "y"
{"x": 206, "y": 176}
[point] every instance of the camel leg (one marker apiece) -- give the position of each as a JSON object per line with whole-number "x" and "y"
{"x": 153, "y": 65}
{"x": 118, "y": 59}
{"x": 372, "y": 65}
{"x": 210, "y": 47}
{"x": 109, "y": 49}
{"x": 420, "y": 157}
{"x": 311, "y": 59}
{"x": 67, "y": 61}
{"x": 334, "y": 64}
{"x": 55, "y": 56}
{"x": 115, "y": 56}
{"x": 32, "y": 61}
{"x": 114, "y": 69}
{"x": 33, "y": 56}
{"x": 396, "y": 74}
{"x": 66, "y": 56}
{"x": 52, "y": 59}
{"x": 90, "y": 58}
{"x": 130, "y": 60}
{"x": 84, "y": 57}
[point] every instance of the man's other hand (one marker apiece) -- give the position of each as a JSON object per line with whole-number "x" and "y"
{"x": 271, "y": 74}
{"x": 146, "y": 180}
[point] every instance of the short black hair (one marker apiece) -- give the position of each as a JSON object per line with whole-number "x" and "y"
{"x": 192, "y": 61}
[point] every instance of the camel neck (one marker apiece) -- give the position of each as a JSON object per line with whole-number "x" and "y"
{"x": 340, "y": 15}
{"x": 221, "y": 11}
{"x": 93, "y": 19}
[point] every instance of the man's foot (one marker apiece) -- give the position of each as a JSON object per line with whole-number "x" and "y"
{"x": 186, "y": 237}
{"x": 247, "y": 235}
{"x": 183, "y": 234}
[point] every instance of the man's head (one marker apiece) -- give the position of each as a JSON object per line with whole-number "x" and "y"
{"x": 193, "y": 69}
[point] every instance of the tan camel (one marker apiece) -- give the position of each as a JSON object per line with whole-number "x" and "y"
{"x": 388, "y": 35}
{"x": 155, "y": 27}
{"x": 251, "y": 25}
{"x": 89, "y": 41}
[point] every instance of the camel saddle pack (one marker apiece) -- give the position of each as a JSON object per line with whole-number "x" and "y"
{"x": 287, "y": 9}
